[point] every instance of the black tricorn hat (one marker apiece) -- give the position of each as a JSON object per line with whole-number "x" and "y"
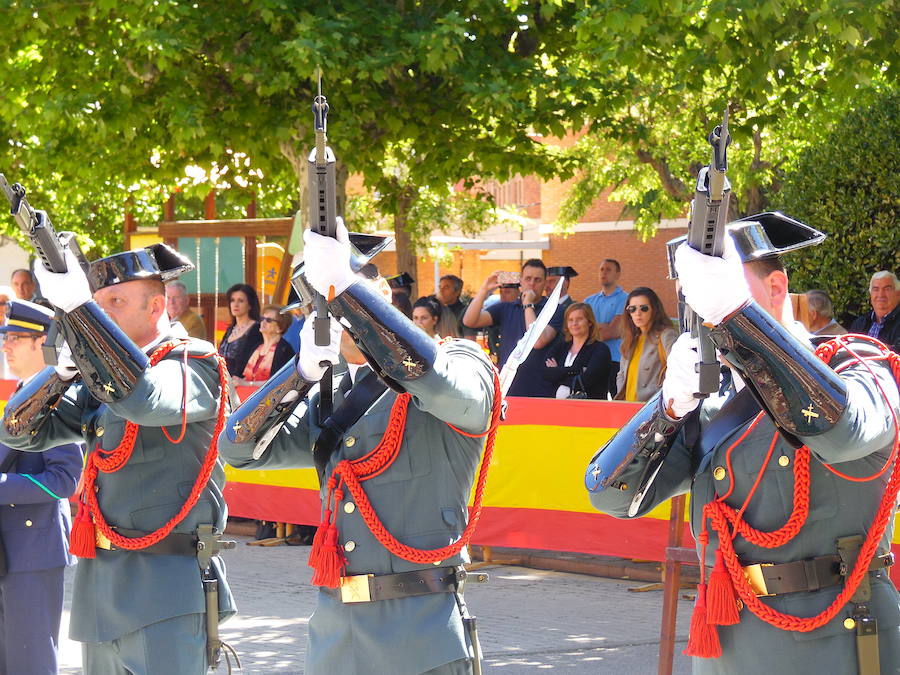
{"x": 154, "y": 262}
{"x": 363, "y": 247}
{"x": 762, "y": 236}
{"x": 402, "y": 280}
{"x": 562, "y": 271}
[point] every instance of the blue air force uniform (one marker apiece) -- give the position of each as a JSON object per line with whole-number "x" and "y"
{"x": 34, "y": 524}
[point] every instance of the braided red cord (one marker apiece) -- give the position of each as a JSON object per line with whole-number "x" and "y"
{"x": 113, "y": 460}
{"x": 720, "y": 515}
{"x": 354, "y": 472}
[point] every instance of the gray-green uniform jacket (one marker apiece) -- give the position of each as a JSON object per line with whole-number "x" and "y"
{"x": 421, "y": 499}
{"x": 119, "y": 592}
{"x": 858, "y": 445}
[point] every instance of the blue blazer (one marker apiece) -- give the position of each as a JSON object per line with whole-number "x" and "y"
{"x": 34, "y": 524}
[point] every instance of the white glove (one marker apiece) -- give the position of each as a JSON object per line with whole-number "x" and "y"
{"x": 682, "y": 379}
{"x": 65, "y": 367}
{"x": 312, "y": 355}
{"x": 68, "y": 290}
{"x": 714, "y": 287}
{"x": 327, "y": 261}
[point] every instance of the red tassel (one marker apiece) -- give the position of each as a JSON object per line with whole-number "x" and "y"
{"x": 82, "y": 539}
{"x": 721, "y": 598}
{"x": 703, "y": 641}
{"x": 328, "y": 560}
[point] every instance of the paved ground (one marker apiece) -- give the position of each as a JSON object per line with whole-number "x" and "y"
{"x": 529, "y": 620}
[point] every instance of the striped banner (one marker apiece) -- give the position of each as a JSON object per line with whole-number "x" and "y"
{"x": 535, "y": 495}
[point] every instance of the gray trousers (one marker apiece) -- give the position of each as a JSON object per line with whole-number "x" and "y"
{"x": 176, "y": 646}
{"x": 460, "y": 667}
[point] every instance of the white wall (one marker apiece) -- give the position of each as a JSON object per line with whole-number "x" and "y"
{"x": 12, "y": 257}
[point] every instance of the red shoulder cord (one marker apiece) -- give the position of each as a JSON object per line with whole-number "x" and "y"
{"x": 718, "y": 604}
{"x": 82, "y": 540}
{"x": 327, "y": 558}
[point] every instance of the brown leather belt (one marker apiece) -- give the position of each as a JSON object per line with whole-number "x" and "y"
{"x": 175, "y": 543}
{"x": 371, "y": 587}
{"x": 803, "y": 575}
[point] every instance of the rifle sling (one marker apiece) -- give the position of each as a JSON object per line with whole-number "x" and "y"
{"x": 361, "y": 397}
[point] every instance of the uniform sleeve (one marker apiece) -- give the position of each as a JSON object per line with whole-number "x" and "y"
{"x": 290, "y": 448}
{"x": 674, "y": 478}
{"x": 63, "y": 423}
{"x": 868, "y": 422}
{"x": 62, "y": 468}
{"x": 160, "y": 395}
{"x": 459, "y": 388}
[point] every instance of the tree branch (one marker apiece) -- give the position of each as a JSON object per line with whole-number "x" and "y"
{"x": 670, "y": 183}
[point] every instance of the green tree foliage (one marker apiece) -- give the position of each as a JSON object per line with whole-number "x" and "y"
{"x": 111, "y": 101}
{"x": 662, "y": 72}
{"x": 849, "y": 187}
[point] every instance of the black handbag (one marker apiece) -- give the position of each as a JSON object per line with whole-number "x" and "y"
{"x": 8, "y": 463}
{"x": 578, "y": 388}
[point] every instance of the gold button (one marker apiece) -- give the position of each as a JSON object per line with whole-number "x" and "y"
{"x": 28, "y": 523}
{"x": 84, "y": 428}
{"x": 12, "y": 505}
{"x": 349, "y": 546}
{"x": 719, "y": 472}
{"x": 350, "y": 441}
{"x": 849, "y": 623}
{"x": 349, "y": 507}
{"x": 99, "y": 431}
{"x": 784, "y": 460}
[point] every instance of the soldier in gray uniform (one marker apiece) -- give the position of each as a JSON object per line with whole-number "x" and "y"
{"x": 789, "y": 504}
{"x": 391, "y": 545}
{"x": 147, "y": 409}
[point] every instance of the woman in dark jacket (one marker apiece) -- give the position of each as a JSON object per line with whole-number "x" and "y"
{"x": 581, "y": 362}
{"x": 243, "y": 335}
{"x": 273, "y": 352}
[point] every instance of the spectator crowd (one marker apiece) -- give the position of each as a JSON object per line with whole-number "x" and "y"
{"x": 613, "y": 344}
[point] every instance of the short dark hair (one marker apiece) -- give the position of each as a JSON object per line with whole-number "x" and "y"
{"x": 455, "y": 280}
{"x": 28, "y": 272}
{"x": 430, "y": 303}
{"x": 535, "y": 262}
{"x": 252, "y": 299}
{"x": 763, "y": 267}
{"x": 614, "y": 262}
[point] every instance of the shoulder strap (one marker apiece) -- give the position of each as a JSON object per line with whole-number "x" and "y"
{"x": 364, "y": 393}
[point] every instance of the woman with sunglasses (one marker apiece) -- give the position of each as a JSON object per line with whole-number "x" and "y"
{"x": 647, "y": 337}
{"x": 273, "y": 352}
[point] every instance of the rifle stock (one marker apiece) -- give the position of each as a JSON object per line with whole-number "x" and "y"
{"x": 48, "y": 245}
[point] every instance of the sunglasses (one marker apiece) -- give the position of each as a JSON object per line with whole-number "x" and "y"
{"x": 631, "y": 309}
{"x": 266, "y": 319}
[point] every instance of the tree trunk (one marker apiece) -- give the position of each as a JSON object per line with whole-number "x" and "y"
{"x": 406, "y": 253}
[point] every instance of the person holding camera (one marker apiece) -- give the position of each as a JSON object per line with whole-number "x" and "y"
{"x": 516, "y": 317}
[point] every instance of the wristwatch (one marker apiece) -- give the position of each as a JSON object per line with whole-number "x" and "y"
{"x": 530, "y": 304}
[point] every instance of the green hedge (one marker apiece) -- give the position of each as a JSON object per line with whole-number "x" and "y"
{"x": 849, "y": 187}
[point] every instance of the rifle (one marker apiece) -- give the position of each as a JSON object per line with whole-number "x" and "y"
{"x": 322, "y": 200}
{"x": 706, "y": 233}
{"x": 49, "y": 246}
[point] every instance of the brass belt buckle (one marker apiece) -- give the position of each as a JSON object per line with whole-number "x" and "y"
{"x": 356, "y": 588}
{"x": 754, "y": 576}
{"x": 101, "y": 540}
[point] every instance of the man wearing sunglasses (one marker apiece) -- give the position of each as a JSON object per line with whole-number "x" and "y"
{"x": 789, "y": 467}
{"x": 34, "y": 518}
